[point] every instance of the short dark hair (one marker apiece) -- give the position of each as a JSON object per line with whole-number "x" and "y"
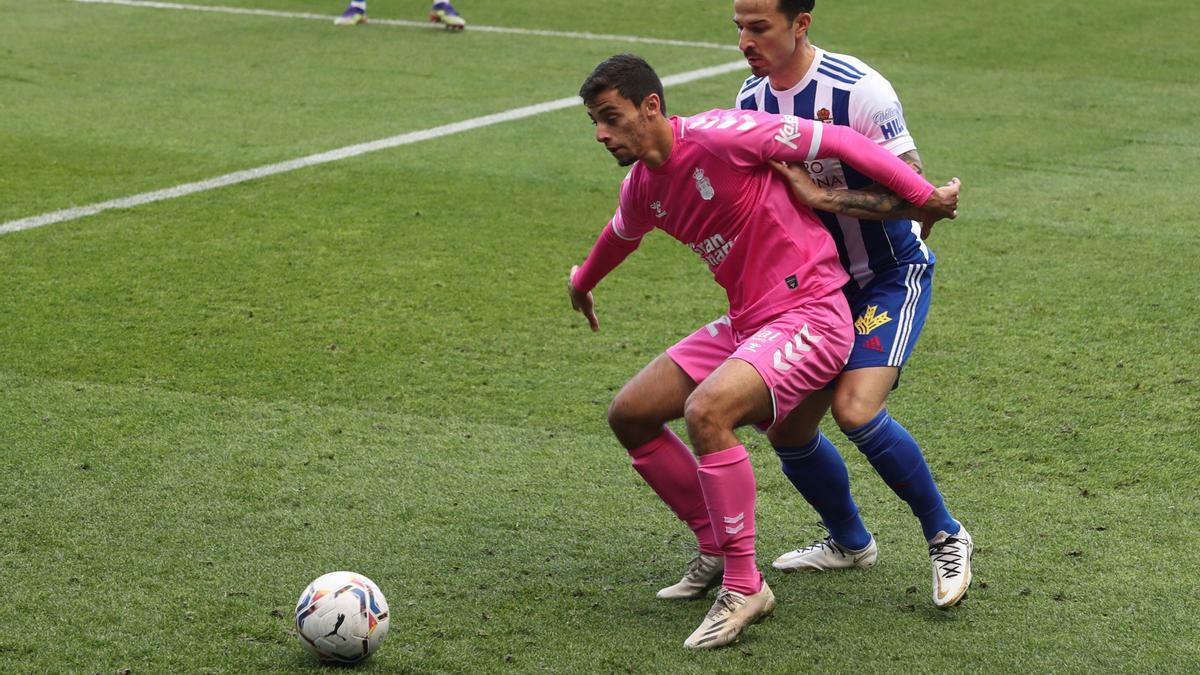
{"x": 794, "y": 8}
{"x": 629, "y": 74}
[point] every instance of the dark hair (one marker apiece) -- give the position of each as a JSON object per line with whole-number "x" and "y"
{"x": 794, "y": 8}
{"x": 630, "y": 75}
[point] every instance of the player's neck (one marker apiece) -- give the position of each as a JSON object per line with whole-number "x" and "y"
{"x": 662, "y": 141}
{"x": 790, "y": 75}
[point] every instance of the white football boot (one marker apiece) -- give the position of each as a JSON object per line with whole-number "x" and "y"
{"x": 703, "y": 572}
{"x": 951, "y": 558}
{"x": 826, "y": 554}
{"x": 731, "y": 613}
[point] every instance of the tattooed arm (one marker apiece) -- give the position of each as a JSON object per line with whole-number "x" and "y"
{"x": 871, "y": 203}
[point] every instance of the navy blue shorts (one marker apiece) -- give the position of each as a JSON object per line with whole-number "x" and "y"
{"x": 888, "y": 316}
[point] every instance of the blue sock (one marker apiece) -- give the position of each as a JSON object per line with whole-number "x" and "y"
{"x": 818, "y": 472}
{"x": 898, "y": 459}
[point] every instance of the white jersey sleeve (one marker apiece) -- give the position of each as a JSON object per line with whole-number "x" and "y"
{"x": 876, "y": 113}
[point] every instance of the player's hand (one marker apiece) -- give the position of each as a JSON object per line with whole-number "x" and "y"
{"x": 582, "y": 302}
{"x": 943, "y": 203}
{"x": 803, "y": 189}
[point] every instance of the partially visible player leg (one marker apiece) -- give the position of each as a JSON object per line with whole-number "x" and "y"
{"x": 638, "y": 416}
{"x": 890, "y": 319}
{"x": 355, "y": 14}
{"x": 817, "y": 470}
{"x": 732, "y": 395}
{"x": 763, "y": 382}
{"x": 445, "y": 14}
{"x": 859, "y": 410}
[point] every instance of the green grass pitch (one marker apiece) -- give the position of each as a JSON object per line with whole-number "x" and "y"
{"x": 207, "y": 402}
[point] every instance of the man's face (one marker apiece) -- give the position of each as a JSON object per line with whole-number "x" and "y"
{"x": 620, "y": 125}
{"x": 765, "y": 36}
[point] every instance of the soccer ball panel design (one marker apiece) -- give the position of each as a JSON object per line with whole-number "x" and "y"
{"x": 342, "y": 617}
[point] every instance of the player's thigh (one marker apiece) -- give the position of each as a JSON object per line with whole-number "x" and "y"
{"x": 659, "y": 391}
{"x": 733, "y": 395}
{"x": 797, "y": 355}
{"x": 655, "y": 396}
{"x": 803, "y": 423}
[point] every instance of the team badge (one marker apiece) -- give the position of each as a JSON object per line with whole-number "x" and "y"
{"x": 823, "y": 115}
{"x": 703, "y": 184}
{"x": 791, "y": 282}
{"x": 869, "y": 320}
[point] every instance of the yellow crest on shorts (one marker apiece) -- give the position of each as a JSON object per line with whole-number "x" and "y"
{"x": 869, "y": 320}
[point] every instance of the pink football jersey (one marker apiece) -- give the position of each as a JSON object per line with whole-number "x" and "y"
{"x": 717, "y": 194}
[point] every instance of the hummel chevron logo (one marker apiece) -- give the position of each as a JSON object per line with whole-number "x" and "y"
{"x": 747, "y": 122}
{"x": 789, "y": 130}
{"x": 740, "y": 519}
{"x": 795, "y": 350}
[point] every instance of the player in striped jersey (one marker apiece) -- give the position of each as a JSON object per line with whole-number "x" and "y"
{"x": 881, "y": 246}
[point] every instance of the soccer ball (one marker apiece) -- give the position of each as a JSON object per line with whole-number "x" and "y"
{"x": 342, "y": 617}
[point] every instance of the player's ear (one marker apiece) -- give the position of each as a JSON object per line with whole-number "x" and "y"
{"x": 802, "y": 24}
{"x": 651, "y": 105}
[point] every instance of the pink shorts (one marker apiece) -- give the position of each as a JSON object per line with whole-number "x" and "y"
{"x": 796, "y": 353}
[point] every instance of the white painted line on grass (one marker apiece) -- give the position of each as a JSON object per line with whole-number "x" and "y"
{"x": 414, "y": 24}
{"x": 334, "y": 155}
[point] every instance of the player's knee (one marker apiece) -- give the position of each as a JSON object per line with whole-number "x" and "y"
{"x": 705, "y": 415}
{"x": 851, "y": 409}
{"x": 627, "y": 417}
{"x": 621, "y": 413}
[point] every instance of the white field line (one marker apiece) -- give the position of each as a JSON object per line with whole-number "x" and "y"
{"x": 472, "y": 28}
{"x": 335, "y": 155}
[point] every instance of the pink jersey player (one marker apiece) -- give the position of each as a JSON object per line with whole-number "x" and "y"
{"x": 717, "y": 194}
{"x": 705, "y": 180}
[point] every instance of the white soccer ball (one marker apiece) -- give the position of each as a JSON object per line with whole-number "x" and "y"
{"x": 342, "y": 617}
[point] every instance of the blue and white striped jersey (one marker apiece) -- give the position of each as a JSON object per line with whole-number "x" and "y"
{"x": 840, "y": 89}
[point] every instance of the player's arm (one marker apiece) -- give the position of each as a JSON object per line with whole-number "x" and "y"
{"x": 846, "y": 144}
{"x": 874, "y": 202}
{"x": 610, "y": 250}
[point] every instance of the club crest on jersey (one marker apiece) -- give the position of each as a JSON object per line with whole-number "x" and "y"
{"x": 791, "y": 282}
{"x": 658, "y": 209}
{"x": 869, "y": 320}
{"x": 703, "y": 184}
{"x": 823, "y": 115}
{"x": 789, "y": 130}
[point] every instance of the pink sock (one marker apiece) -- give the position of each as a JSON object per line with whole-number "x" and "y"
{"x": 670, "y": 468}
{"x": 727, "y": 479}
